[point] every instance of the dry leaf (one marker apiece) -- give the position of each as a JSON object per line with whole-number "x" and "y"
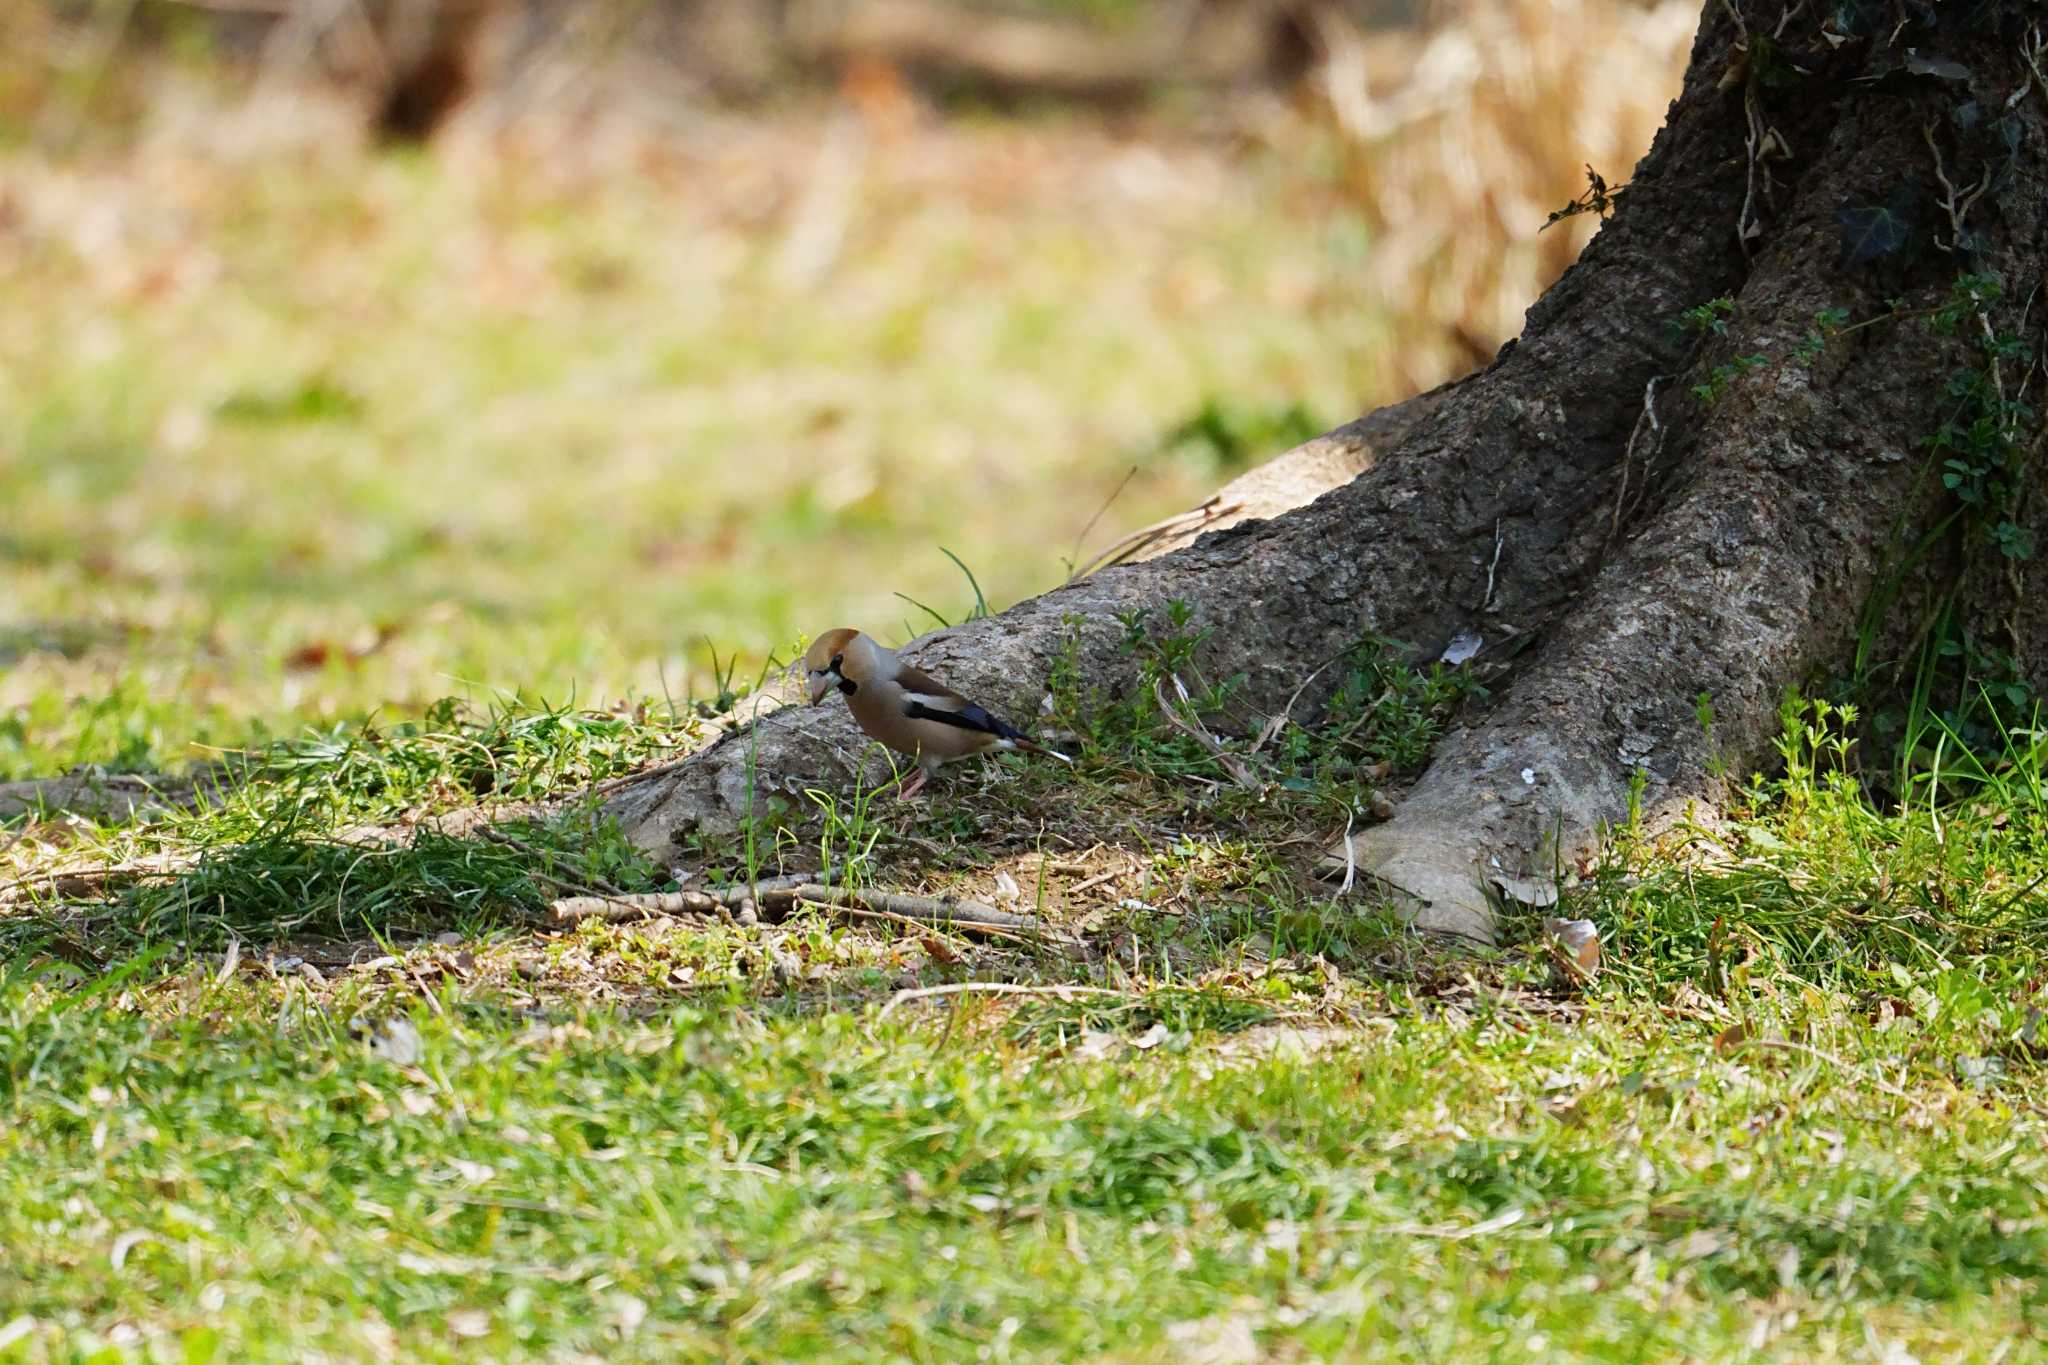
{"x": 1096, "y": 1043}
{"x": 126, "y": 1243}
{"x": 1698, "y": 1245}
{"x": 470, "y": 1322}
{"x": 1214, "y": 1341}
{"x": 398, "y": 1043}
{"x": 1463, "y": 646}
{"x": 630, "y": 1311}
{"x": 1151, "y": 1037}
{"x": 229, "y": 960}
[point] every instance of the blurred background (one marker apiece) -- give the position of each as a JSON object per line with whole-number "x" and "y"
{"x": 356, "y": 353}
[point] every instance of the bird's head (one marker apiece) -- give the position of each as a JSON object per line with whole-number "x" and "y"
{"x": 834, "y": 662}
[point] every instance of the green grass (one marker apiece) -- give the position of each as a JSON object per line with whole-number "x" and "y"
{"x": 1796, "y": 1116}
{"x": 233, "y": 1169}
{"x": 288, "y": 456}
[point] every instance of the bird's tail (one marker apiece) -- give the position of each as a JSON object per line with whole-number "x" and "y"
{"x": 1032, "y": 746}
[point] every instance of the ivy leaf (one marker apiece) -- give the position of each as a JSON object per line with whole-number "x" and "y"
{"x": 1870, "y": 231}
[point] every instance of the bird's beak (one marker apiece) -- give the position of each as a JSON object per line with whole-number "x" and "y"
{"x": 821, "y": 687}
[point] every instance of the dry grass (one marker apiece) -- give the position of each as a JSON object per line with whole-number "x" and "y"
{"x": 1458, "y": 144}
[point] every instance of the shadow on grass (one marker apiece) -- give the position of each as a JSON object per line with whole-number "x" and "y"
{"x": 293, "y": 886}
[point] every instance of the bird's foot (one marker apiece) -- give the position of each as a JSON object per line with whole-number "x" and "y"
{"x": 909, "y": 790}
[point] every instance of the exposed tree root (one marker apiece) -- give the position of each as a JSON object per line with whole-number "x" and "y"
{"x": 1725, "y": 555}
{"x": 1469, "y": 510}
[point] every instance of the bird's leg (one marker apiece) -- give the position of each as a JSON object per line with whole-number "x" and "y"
{"x": 915, "y": 785}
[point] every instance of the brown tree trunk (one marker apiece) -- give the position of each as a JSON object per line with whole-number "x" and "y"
{"x": 1638, "y": 512}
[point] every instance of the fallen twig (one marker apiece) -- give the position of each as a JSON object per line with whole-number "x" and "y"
{"x": 923, "y": 909}
{"x": 1098, "y": 879}
{"x": 781, "y": 897}
{"x": 1075, "y": 557}
{"x": 1144, "y": 538}
{"x": 1350, "y": 852}
{"x": 65, "y": 882}
{"x": 642, "y": 905}
{"x": 859, "y": 912}
{"x": 1191, "y": 726}
{"x": 759, "y": 887}
{"x": 989, "y": 988}
{"x": 1277, "y": 723}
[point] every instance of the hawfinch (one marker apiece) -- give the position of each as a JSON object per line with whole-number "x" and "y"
{"x": 907, "y": 710}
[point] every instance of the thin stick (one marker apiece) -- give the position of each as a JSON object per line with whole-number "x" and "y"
{"x": 1447, "y": 1232}
{"x": 431, "y": 998}
{"x": 1212, "y": 510}
{"x": 989, "y": 988}
{"x": 1500, "y": 540}
{"x": 1279, "y": 722}
{"x": 858, "y": 912}
{"x": 1192, "y": 727}
{"x": 1082, "y": 539}
{"x": 2032, "y": 56}
{"x": 1754, "y": 147}
{"x": 645, "y": 905}
{"x": 88, "y": 877}
{"x": 1097, "y": 880}
{"x": 1350, "y": 852}
{"x": 1628, "y": 453}
{"x": 922, "y": 910}
{"x": 761, "y": 887}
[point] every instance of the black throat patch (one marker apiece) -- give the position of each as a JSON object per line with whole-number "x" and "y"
{"x": 848, "y": 686}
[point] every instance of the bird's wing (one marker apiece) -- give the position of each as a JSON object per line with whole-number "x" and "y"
{"x": 926, "y": 698}
{"x": 928, "y": 688}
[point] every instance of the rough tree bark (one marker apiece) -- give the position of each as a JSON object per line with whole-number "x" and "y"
{"x": 1636, "y": 512}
